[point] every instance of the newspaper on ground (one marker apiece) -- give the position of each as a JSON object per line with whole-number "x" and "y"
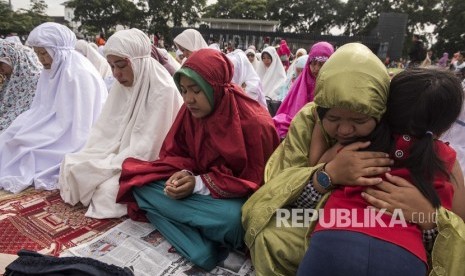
{"x": 143, "y": 249}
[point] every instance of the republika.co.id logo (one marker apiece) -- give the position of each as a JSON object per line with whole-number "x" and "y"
{"x": 355, "y": 218}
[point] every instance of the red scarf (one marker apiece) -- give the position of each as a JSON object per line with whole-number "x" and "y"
{"x": 228, "y": 148}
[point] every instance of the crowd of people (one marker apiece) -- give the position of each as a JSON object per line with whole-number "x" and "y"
{"x": 420, "y": 56}
{"x": 188, "y": 143}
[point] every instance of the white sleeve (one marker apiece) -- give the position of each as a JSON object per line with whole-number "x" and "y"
{"x": 200, "y": 187}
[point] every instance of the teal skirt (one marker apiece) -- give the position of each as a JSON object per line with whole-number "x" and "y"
{"x": 197, "y": 226}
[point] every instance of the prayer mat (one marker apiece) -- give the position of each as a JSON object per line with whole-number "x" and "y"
{"x": 40, "y": 221}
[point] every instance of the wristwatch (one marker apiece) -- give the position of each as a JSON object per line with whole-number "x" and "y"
{"x": 324, "y": 179}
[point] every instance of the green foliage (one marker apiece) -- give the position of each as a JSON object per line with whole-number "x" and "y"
{"x": 147, "y": 15}
{"x": 23, "y": 21}
{"x": 103, "y": 15}
{"x": 167, "y": 13}
{"x": 450, "y": 28}
{"x": 358, "y": 17}
{"x": 317, "y": 16}
{"x": 237, "y": 9}
{"x": 355, "y": 17}
{"x": 38, "y": 7}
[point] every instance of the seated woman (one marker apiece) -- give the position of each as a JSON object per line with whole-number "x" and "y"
{"x": 252, "y": 57}
{"x": 279, "y": 250}
{"x": 271, "y": 72}
{"x": 246, "y": 77}
{"x": 422, "y": 104}
{"x": 20, "y": 70}
{"x": 300, "y": 52}
{"x": 94, "y": 57}
{"x": 301, "y": 91}
{"x": 189, "y": 41}
{"x": 97, "y": 60}
{"x": 292, "y": 74}
{"x": 140, "y": 109}
{"x": 211, "y": 160}
{"x": 69, "y": 97}
{"x": 165, "y": 59}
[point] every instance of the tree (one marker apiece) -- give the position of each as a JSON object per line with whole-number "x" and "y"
{"x": 38, "y": 7}
{"x": 36, "y": 13}
{"x": 103, "y": 15}
{"x": 167, "y": 13}
{"x": 6, "y": 16}
{"x": 359, "y": 17}
{"x": 450, "y": 30}
{"x": 301, "y": 16}
{"x": 237, "y": 9}
{"x": 23, "y": 21}
{"x": 221, "y": 9}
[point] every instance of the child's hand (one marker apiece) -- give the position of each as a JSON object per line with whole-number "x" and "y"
{"x": 180, "y": 185}
{"x": 398, "y": 193}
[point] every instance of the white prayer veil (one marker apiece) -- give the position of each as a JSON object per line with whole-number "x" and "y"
{"x": 274, "y": 76}
{"x": 134, "y": 123}
{"x": 244, "y": 73}
{"x": 255, "y": 60}
{"x": 94, "y": 57}
{"x": 191, "y": 40}
{"x": 68, "y": 99}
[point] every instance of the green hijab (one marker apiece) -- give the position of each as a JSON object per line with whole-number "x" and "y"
{"x": 353, "y": 78}
{"x": 206, "y": 88}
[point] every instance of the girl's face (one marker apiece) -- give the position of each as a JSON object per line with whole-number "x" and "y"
{"x": 346, "y": 126}
{"x": 266, "y": 58}
{"x": 315, "y": 67}
{"x": 186, "y": 53}
{"x": 251, "y": 57}
{"x": 44, "y": 57}
{"x": 121, "y": 68}
{"x": 5, "y": 69}
{"x": 194, "y": 98}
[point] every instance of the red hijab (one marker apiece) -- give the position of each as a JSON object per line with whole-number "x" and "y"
{"x": 228, "y": 148}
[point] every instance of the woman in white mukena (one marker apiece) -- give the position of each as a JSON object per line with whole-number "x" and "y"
{"x": 141, "y": 107}
{"x": 271, "y": 72}
{"x": 69, "y": 97}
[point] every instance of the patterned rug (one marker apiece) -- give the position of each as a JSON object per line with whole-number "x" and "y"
{"x": 41, "y": 221}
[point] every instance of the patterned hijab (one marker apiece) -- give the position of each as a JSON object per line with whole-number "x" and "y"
{"x": 18, "y": 90}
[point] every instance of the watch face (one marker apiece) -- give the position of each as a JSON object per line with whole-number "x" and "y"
{"x": 323, "y": 179}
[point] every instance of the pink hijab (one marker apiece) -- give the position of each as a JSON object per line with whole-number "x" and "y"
{"x": 301, "y": 91}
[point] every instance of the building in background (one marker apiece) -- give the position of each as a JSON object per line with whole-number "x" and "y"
{"x": 249, "y": 29}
